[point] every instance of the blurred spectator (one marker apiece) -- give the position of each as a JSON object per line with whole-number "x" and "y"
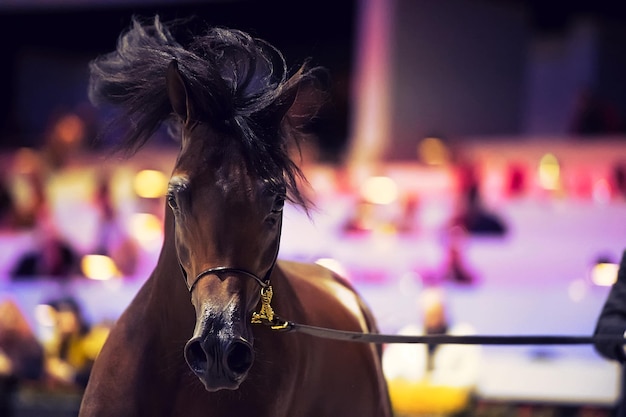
{"x": 432, "y": 378}
{"x": 619, "y": 179}
{"x": 361, "y": 220}
{"x": 612, "y": 321}
{"x": 52, "y": 257}
{"x": 64, "y": 137}
{"x": 21, "y": 355}
{"x": 516, "y": 180}
{"x": 29, "y": 174}
{"x": 106, "y": 209}
{"x": 113, "y": 240}
{"x": 454, "y": 365}
{"x": 455, "y": 268}
{"x": 407, "y": 221}
{"x": 8, "y": 215}
{"x": 473, "y": 216}
{"x": 74, "y": 346}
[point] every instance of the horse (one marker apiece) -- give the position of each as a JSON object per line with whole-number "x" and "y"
{"x": 189, "y": 343}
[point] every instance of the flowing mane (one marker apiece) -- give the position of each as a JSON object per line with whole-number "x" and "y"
{"x": 242, "y": 82}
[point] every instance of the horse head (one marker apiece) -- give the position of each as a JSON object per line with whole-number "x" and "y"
{"x": 228, "y": 219}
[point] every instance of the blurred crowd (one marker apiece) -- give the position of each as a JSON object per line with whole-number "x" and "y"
{"x": 59, "y": 363}
{"x": 50, "y": 351}
{"x": 61, "y": 359}
{"x": 26, "y": 209}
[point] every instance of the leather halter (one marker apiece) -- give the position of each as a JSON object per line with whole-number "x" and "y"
{"x": 219, "y": 270}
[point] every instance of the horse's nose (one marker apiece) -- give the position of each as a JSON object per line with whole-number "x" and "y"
{"x": 235, "y": 357}
{"x": 196, "y": 356}
{"x": 239, "y": 357}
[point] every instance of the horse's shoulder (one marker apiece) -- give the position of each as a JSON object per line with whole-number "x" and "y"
{"x": 128, "y": 364}
{"x": 312, "y": 273}
{"x": 327, "y": 285}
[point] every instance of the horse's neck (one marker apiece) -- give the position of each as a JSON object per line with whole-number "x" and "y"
{"x": 168, "y": 290}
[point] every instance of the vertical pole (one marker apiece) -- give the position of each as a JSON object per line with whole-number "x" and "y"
{"x": 369, "y": 125}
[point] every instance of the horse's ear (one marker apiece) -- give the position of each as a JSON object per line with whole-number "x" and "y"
{"x": 177, "y": 92}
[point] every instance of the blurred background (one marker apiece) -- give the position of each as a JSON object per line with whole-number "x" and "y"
{"x": 472, "y": 147}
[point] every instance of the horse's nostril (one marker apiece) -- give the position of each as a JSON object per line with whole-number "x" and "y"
{"x": 196, "y": 357}
{"x": 239, "y": 357}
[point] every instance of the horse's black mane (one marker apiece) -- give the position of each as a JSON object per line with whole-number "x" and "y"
{"x": 243, "y": 81}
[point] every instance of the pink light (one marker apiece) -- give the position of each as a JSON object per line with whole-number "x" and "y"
{"x": 371, "y": 87}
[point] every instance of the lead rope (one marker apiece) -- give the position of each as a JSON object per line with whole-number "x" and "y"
{"x": 378, "y": 338}
{"x": 266, "y": 316}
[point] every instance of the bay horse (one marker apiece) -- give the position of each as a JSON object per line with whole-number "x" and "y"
{"x": 186, "y": 344}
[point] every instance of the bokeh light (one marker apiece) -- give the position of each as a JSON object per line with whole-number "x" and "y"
{"x": 549, "y": 172}
{"x": 604, "y": 274}
{"x": 379, "y": 190}
{"x": 99, "y": 267}
{"x": 44, "y": 315}
{"x": 150, "y": 183}
{"x": 432, "y": 151}
{"x": 147, "y": 229}
{"x": 334, "y": 265}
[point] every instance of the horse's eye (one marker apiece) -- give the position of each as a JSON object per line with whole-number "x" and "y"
{"x": 171, "y": 201}
{"x": 279, "y": 204}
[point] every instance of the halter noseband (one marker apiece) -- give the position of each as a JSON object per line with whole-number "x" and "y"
{"x": 219, "y": 270}
{"x": 266, "y": 312}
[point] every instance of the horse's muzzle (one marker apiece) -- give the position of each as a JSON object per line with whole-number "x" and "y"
{"x": 219, "y": 364}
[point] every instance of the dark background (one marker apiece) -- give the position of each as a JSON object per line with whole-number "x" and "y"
{"x": 45, "y": 52}
{"x": 46, "y": 46}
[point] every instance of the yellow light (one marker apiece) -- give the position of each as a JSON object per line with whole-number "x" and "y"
{"x": 604, "y": 274}
{"x": 150, "y": 183}
{"x": 432, "y": 151}
{"x": 549, "y": 172}
{"x": 99, "y": 267}
{"x": 379, "y": 190}
{"x": 147, "y": 229}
